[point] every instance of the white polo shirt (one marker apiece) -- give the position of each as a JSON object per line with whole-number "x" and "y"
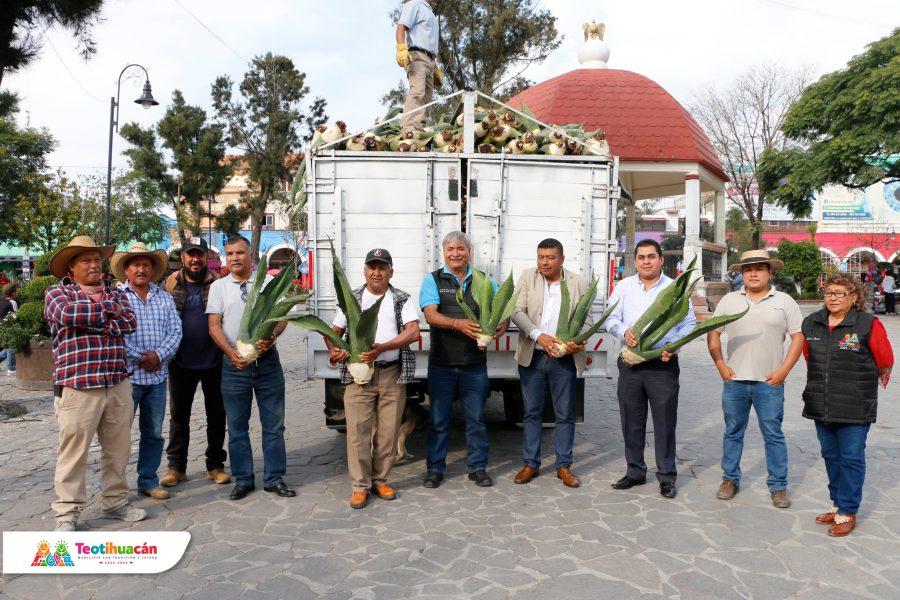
{"x": 386, "y": 330}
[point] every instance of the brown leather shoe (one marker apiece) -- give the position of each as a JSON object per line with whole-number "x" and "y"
{"x": 843, "y": 525}
{"x": 172, "y": 477}
{"x": 385, "y": 492}
{"x": 526, "y": 474}
{"x": 827, "y": 518}
{"x": 727, "y": 490}
{"x": 568, "y": 477}
{"x": 780, "y": 499}
{"x": 219, "y": 476}
{"x": 359, "y": 500}
{"x": 157, "y": 493}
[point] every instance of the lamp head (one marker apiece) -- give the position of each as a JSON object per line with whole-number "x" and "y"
{"x": 146, "y": 100}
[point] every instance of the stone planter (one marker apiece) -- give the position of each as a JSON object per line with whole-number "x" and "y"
{"x": 34, "y": 367}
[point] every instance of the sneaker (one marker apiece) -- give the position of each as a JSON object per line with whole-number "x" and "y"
{"x": 67, "y": 525}
{"x": 11, "y": 373}
{"x": 127, "y": 512}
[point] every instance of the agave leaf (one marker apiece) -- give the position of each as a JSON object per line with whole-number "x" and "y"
{"x": 699, "y": 330}
{"x": 675, "y": 316}
{"x": 460, "y": 298}
{"x": 313, "y": 323}
{"x": 343, "y": 291}
{"x": 270, "y": 295}
{"x": 484, "y": 295}
{"x": 562, "y": 322}
{"x": 507, "y": 310}
{"x": 500, "y": 302}
{"x": 362, "y": 334}
{"x": 245, "y": 331}
{"x": 584, "y": 335}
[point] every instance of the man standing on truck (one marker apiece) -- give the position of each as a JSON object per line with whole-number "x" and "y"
{"x": 377, "y": 407}
{"x": 455, "y": 363}
{"x": 417, "y": 47}
{"x": 542, "y": 364}
{"x": 654, "y": 382}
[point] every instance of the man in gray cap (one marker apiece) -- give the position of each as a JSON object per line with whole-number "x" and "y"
{"x": 377, "y": 406}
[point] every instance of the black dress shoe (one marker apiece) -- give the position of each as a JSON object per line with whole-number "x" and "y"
{"x": 627, "y": 483}
{"x": 240, "y": 491}
{"x": 280, "y": 489}
{"x": 433, "y": 479}
{"x": 667, "y": 490}
{"x": 481, "y": 478}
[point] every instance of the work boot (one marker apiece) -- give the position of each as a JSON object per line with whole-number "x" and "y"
{"x": 359, "y": 500}
{"x": 727, "y": 490}
{"x": 219, "y": 476}
{"x": 385, "y": 492}
{"x": 780, "y": 499}
{"x": 172, "y": 477}
{"x": 157, "y": 492}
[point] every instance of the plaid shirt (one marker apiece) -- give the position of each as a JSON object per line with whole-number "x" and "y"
{"x": 158, "y": 329}
{"x": 88, "y": 342}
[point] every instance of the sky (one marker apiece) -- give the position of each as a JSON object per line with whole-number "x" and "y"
{"x": 346, "y": 49}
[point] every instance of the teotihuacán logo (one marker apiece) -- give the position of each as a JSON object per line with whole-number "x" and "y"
{"x": 93, "y": 552}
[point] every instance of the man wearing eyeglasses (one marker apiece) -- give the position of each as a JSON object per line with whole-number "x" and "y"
{"x": 755, "y": 371}
{"x": 241, "y": 377}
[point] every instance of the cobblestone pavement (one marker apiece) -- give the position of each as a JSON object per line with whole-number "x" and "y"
{"x": 540, "y": 540}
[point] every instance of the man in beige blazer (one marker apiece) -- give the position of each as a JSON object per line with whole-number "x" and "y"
{"x": 542, "y": 364}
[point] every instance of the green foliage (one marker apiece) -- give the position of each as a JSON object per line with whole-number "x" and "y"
{"x": 263, "y": 123}
{"x": 34, "y": 290}
{"x": 135, "y": 201}
{"x": 801, "y": 259}
{"x": 22, "y": 23}
{"x": 485, "y": 44}
{"x": 231, "y": 219}
{"x": 31, "y": 316}
{"x": 42, "y": 262}
{"x": 12, "y": 334}
{"x": 849, "y": 124}
{"x": 47, "y": 214}
{"x": 189, "y": 145}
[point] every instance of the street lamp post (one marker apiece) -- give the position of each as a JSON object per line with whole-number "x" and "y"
{"x": 146, "y": 100}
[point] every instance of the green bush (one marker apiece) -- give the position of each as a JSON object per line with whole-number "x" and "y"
{"x": 34, "y": 290}
{"x": 13, "y": 335}
{"x": 810, "y": 287}
{"x": 31, "y": 317}
{"x": 42, "y": 262}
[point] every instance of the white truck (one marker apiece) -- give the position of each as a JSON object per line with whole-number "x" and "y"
{"x": 407, "y": 202}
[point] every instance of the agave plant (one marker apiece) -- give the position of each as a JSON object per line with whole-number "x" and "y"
{"x": 569, "y": 328}
{"x": 266, "y": 306}
{"x": 667, "y": 310}
{"x": 494, "y": 308}
{"x": 361, "y": 324}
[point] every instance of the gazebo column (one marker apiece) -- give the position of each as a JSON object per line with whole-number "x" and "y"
{"x": 721, "y": 218}
{"x": 693, "y": 246}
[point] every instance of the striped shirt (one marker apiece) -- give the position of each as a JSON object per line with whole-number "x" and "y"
{"x": 158, "y": 329}
{"x": 88, "y": 340}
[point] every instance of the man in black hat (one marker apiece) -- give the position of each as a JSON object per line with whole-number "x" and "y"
{"x": 198, "y": 360}
{"x": 377, "y": 406}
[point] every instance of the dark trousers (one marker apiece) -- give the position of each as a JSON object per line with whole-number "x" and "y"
{"x": 560, "y": 375}
{"x": 844, "y": 451}
{"x": 653, "y": 384}
{"x": 182, "y": 386}
{"x": 890, "y": 303}
{"x": 444, "y": 384}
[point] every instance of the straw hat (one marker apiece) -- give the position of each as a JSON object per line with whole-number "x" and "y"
{"x": 158, "y": 258}
{"x": 756, "y": 257}
{"x": 59, "y": 263}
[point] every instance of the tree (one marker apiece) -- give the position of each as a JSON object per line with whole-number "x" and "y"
{"x": 230, "y": 220}
{"x": 197, "y": 150}
{"x": 47, "y": 213}
{"x": 22, "y": 23}
{"x": 134, "y": 201}
{"x": 23, "y": 156}
{"x": 263, "y": 123}
{"x": 316, "y": 116}
{"x": 741, "y": 234}
{"x": 487, "y": 44}
{"x": 744, "y": 121}
{"x": 802, "y": 260}
{"x": 845, "y": 129}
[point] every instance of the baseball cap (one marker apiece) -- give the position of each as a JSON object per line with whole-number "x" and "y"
{"x": 195, "y": 243}
{"x": 379, "y": 254}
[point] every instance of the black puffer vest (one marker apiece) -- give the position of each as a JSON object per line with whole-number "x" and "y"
{"x": 451, "y": 348}
{"x": 842, "y": 378}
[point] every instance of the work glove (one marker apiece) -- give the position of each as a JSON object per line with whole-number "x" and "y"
{"x": 438, "y": 78}
{"x": 403, "y": 58}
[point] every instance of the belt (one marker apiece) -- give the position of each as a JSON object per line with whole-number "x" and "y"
{"x": 385, "y": 365}
{"x": 431, "y": 55}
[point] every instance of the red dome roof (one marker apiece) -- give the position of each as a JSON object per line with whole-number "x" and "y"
{"x": 641, "y": 120}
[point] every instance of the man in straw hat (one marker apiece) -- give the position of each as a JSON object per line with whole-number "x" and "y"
{"x": 755, "y": 371}
{"x": 88, "y": 322}
{"x": 149, "y": 350}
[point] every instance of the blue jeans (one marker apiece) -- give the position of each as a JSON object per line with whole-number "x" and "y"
{"x": 471, "y": 383}
{"x": 151, "y": 401}
{"x": 768, "y": 402}
{"x": 265, "y": 378}
{"x": 844, "y": 451}
{"x": 561, "y": 376}
{"x": 7, "y": 354}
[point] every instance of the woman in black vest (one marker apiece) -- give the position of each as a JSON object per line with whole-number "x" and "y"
{"x": 847, "y": 351}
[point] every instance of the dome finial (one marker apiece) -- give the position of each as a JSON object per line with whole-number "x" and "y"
{"x": 595, "y": 52}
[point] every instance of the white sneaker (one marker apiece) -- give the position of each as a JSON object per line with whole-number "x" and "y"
{"x": 10, "y": 373}
{"x": 127, "y": 512}
{"x": 68, "y": 525}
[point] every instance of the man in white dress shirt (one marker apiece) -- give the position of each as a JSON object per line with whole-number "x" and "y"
{"x": 653, "y": 383}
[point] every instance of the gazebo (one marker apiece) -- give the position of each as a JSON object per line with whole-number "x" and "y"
{"x": 662, "y": 150}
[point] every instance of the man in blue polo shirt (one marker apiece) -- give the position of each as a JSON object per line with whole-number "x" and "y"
{"x": 455, "y": 363}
